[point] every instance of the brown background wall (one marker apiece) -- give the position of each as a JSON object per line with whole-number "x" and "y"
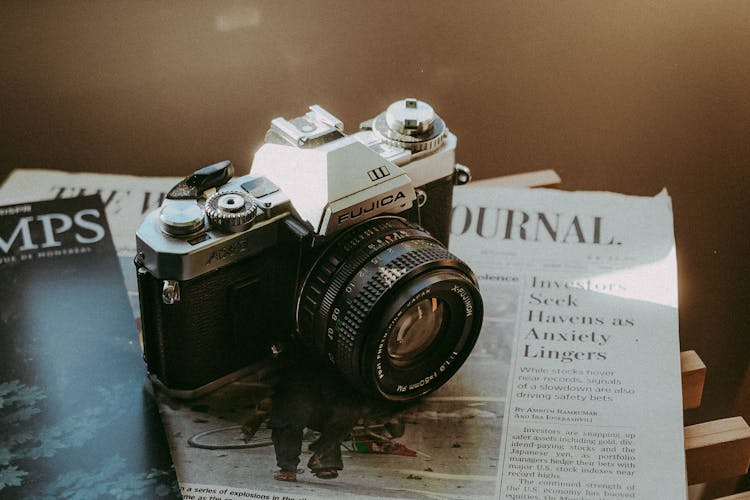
{"x": 622, "y": 96}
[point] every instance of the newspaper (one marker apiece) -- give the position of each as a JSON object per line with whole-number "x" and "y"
{"x": 580, "y": 334}
{"x": 586, "y": 286}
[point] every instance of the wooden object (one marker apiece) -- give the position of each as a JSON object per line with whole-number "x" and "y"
{"x": 693, "y": 378}
{"x": 527, "y": 179}
{"x": 738, "y": 496}
{"x": 717, "y": 449}
{"x": 742, "y": 403}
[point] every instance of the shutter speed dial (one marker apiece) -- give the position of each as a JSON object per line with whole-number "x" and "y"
{"x": 231, "y": 211}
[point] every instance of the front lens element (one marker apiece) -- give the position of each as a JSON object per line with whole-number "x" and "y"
{"x": 415, "y": 331}
{"x": 391, "y": 308}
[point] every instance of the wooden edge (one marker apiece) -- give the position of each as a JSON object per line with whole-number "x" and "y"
{"x": 527, "y": 179}
{"x": 742, "y": 401}
{"x": 738, "y": 496}
{"x": 716, "y": 450}
{"x": 709, "y": 433}
{"x": 693, "y": 379}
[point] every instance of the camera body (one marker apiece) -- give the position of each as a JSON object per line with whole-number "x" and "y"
{"x": 232, "y": 268}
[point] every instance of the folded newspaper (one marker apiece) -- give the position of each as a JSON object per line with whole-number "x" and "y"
{"x": 582, "y": 287}
{"x": 573, "y": 390}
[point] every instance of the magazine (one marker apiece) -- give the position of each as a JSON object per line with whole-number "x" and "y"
{"x": 75, "y": 420}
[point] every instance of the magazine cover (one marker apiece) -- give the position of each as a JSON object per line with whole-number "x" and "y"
{"x": 126, "y": 200}
{"x": 75, "y": 420}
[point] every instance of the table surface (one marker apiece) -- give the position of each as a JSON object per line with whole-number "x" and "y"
{"x": 627, "y": 97}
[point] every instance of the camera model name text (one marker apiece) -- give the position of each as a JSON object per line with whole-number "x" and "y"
{"x": 365, "y": 208}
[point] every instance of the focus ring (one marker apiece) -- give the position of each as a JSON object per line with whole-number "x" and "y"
{"x": 319, "y": 280}
{"x": 333, "y": 270}
{"x": 362, "y": 306}
{"x": 350, "y": 268}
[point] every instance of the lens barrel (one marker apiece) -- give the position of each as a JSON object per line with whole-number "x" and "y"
{"x": 391, "y": 308}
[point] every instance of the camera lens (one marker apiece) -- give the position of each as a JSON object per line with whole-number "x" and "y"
{"x": 415, "y": 331}
{"x": 391, "y": 308}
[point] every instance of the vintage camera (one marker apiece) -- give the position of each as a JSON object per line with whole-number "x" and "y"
{"x": 335, "y": 242}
